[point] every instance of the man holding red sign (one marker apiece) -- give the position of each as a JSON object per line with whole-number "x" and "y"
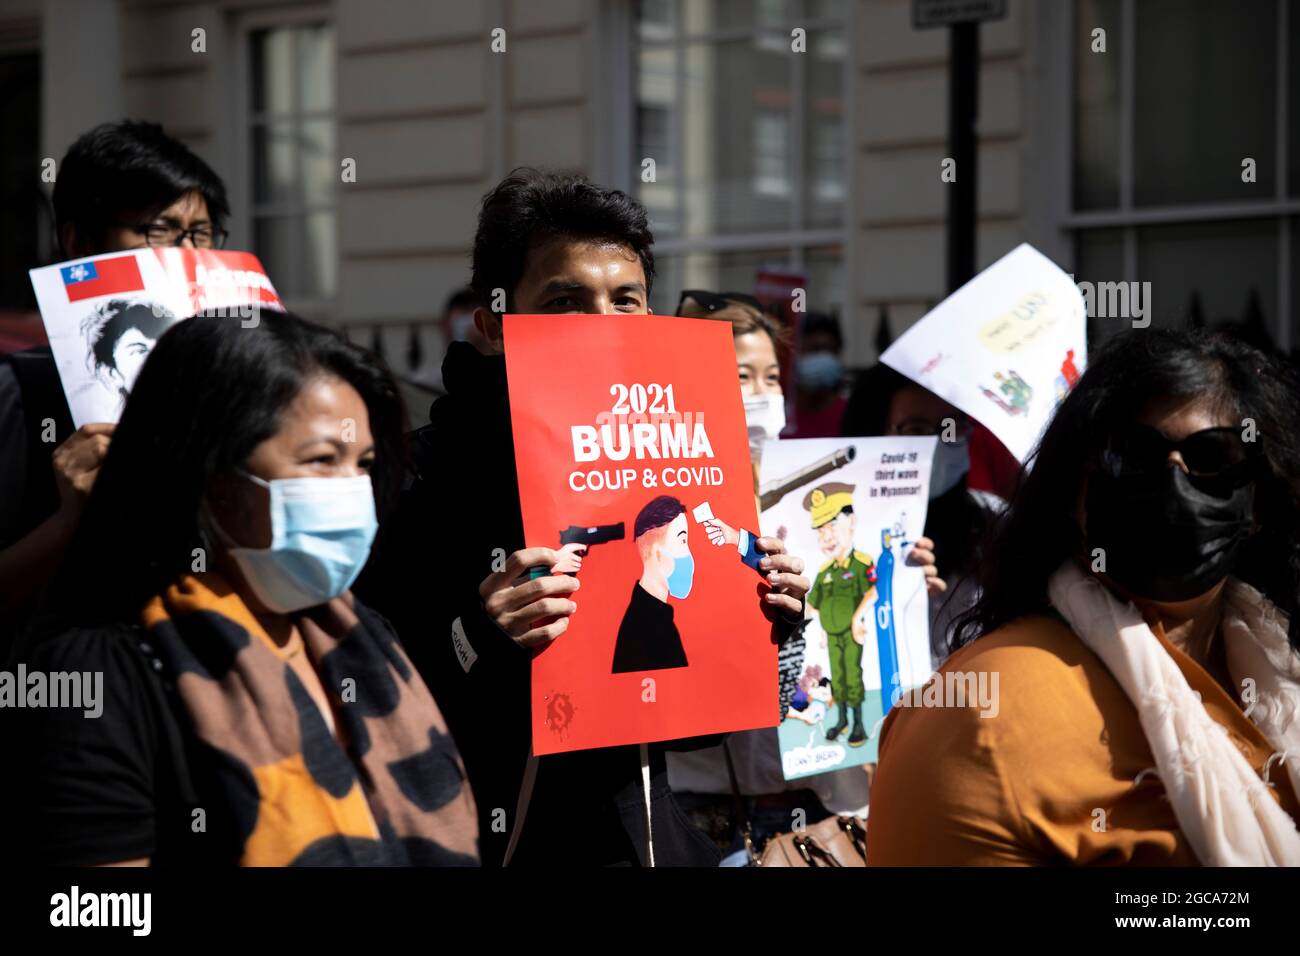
{"x": 545, "y": 245}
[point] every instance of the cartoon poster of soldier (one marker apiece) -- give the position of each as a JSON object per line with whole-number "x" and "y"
{"x": 851, "y": 508}
{"x": 1004, "y": 348}
{"x": 634, "y": 465}
{"x": 104, "y": 314}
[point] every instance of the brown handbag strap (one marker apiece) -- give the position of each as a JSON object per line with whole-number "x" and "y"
{"x": 857, "y": 834}
{"x": 812, "y": 851}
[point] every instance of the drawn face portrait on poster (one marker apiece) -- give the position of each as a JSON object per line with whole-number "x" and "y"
{"x": 666, "y": 555}
{"x": 119, "y": 335}
{"x": 104, "y": 314}
{"x": 835, "y": 538}
{"x": 648, "y": 638}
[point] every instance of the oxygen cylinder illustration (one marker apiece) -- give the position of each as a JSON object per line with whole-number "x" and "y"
{"x": 886, "y": 639}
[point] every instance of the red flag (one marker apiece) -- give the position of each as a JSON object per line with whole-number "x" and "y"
{"x": 85, "y": 280}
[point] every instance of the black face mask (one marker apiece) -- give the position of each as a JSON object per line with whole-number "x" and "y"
{"x": 1164, "y": 538}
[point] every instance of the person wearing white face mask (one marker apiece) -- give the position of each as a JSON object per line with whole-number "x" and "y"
{"x": 757, "y": 337}
{"x": 210, "y": 587}
{"x": 957, "y": 519}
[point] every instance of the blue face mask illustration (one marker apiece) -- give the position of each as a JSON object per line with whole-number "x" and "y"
{"x": 321, "y": 533}
{"x": 679, "y": 582}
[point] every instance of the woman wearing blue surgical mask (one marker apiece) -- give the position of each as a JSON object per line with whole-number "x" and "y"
{"x": 819, "y": 378}
{"x": 957, "y": 518}
{"x": 243, "y": 685}
{"x": 1134, "y": 659}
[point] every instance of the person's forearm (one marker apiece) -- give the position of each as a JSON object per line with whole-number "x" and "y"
{"x": 27, "y": 565}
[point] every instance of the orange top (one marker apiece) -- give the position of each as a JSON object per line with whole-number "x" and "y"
{"x": 1050, "y": 778}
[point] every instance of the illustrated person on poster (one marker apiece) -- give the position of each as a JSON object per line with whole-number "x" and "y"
{"x": 1016, "y": 391}
{"x": 815, "y": 694}
{"x": 648, "y": 639}
{"x": 844, "y": 587}
{"x": 119, "y": 335}
{"x": 1069, "y": 375}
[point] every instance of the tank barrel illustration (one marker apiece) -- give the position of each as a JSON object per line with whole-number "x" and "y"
{"x": 774, "y": 491}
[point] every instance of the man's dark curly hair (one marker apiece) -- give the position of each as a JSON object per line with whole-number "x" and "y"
{"x": 531, "y": 206}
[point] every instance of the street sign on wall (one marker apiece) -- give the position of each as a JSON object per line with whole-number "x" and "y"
{"x": 943, "y": 13}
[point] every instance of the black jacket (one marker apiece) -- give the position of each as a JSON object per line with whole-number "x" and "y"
{"x": 460, "y": 509}
{"x": 30, "y": 399}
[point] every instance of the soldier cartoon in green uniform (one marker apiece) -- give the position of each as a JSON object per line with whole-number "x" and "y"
{"x": 840, "y": 594}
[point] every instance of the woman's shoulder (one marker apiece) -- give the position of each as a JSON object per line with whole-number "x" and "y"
{"x": 1028, "y": 673}
{"x": 1029, "y": 694}
{"x": 121, "y": 650}
{"x": 1034, "y": 646}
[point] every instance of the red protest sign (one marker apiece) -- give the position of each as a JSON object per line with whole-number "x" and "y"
{"x": 633, "y": 460}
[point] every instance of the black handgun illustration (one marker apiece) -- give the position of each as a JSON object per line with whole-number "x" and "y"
{"x": 600, "y": 534}
{"x": 587, "y": 537}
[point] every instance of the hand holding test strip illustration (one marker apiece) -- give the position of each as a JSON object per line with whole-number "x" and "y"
{"x": 720, "y": 533}
{"x": 713, "y": 527}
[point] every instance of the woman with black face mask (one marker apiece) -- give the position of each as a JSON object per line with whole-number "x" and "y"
{"x": 1128, "y": 684}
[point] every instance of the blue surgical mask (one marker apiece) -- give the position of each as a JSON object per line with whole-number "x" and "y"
{"x": 951, "y": 462}
{"x": 462, "y": 324}
{"x": 321, "y": 533}
{"x": 820, "y": 371}
{"x": 679, "y": 582}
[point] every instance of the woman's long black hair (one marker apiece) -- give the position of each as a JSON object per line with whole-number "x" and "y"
{"x": 1040, "y": 529}
{"x": 210, "y": 392}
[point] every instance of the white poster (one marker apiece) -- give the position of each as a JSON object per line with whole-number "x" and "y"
{"x": 852, "y": 508}
{"x": 1004, "y": 348}
{"x": 104, "y": 314}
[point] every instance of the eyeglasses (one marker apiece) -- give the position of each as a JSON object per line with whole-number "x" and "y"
{"x": 162, "y": 234}
{"x": 1217, "y": 459}
{"x": 713, "y": 301}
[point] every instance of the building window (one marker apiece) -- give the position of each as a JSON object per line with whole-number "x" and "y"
{"x": 772, "y": 154}
{"x": 1186, "y": 96}
{"x": 747, "y": 138}
{"x": 294, "y": 165}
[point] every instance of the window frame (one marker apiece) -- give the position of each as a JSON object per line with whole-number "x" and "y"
{"x": 1280, "y": 207}
{"x": 246, "y": 24}
{"x": 795, "y": 239}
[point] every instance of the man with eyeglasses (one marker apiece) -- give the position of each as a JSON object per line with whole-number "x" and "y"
{"x": 122, "y": 185}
